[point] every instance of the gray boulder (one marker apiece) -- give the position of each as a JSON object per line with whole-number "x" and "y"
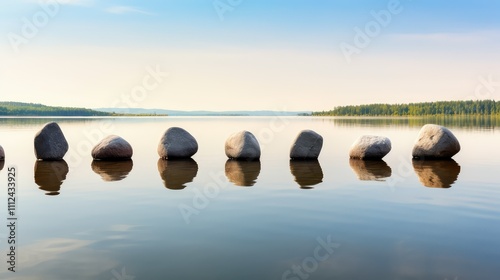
{"x": 112, "y": 148}
{"x": 177, "y": 143}
{"x": 370, "y": 147}
{"x": 50, "y": 143}
{"x": 242, "y": 145}
{"x": 2, "y": 158}
{"x": 307, "y": 145}
{"x": 435, "y": 141}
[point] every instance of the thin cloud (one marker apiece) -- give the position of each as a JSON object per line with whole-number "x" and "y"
{"x": 65, "y": 2}
{"x": 126, "y": 10}
{"x": 471, "y": 37}
{"x": 76, "y": 2}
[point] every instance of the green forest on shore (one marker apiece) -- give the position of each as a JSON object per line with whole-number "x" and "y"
{"x": 451, "y": 108}
{"x": 32, "y": 109}
{"x": 439, "y": 108}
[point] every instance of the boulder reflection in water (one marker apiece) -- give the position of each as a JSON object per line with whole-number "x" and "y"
{"x": 112, "y": 170}
{"x": 49, "y": 175}
{"x": 307, "y": 173}
{"x": 436, "y": 173}
{"x": 242, "y": 173}
{"x": 176, "y": 173}
{"x": 370, "y": 170}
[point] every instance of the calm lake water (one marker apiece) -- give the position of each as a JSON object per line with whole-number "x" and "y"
{"x": 210, "y": 218}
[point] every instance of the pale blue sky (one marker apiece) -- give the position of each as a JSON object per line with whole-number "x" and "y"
{"x": 275, "y": 54}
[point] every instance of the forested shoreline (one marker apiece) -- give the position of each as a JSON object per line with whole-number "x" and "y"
{"x": 438, "y": 108}
{"x": 458, "y": 108}
{"x": 39, "y": 110}
{"x": 32, "y": 109}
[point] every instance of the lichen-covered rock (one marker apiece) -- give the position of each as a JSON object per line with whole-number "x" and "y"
{"x": 370, "y": 147}
{"x": 242, "y": 145}
{"x": 112, "y": 148}
{"x": 177, "y": 143}
{"x": 307, "y": 145}
{"x": 435, "y": 141}
{"x": 50, "y": 143}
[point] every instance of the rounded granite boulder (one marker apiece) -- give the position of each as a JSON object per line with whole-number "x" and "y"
{"x": 370, "y": 147}
{"x": 435, "y": 142}
{"x": 242, "y": 145}
{"x": 307, "y": 145}
{"x": 177, "y": 143}
{"x": 2, "y": 158}
{"x": 50, "y": 143}
{"x": 112, "y": 148}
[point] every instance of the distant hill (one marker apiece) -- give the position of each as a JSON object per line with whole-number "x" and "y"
{"x": 451, "y": 108}
{"x": 32, "y": 109}
{"x": 35, "y": 110}
{"x": 200, "y": 113}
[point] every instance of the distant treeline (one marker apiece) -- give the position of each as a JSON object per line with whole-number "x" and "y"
{"x": 458, "y": 108}
{"x": 37, "y": 110}
{"x": 31, "y": 109}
